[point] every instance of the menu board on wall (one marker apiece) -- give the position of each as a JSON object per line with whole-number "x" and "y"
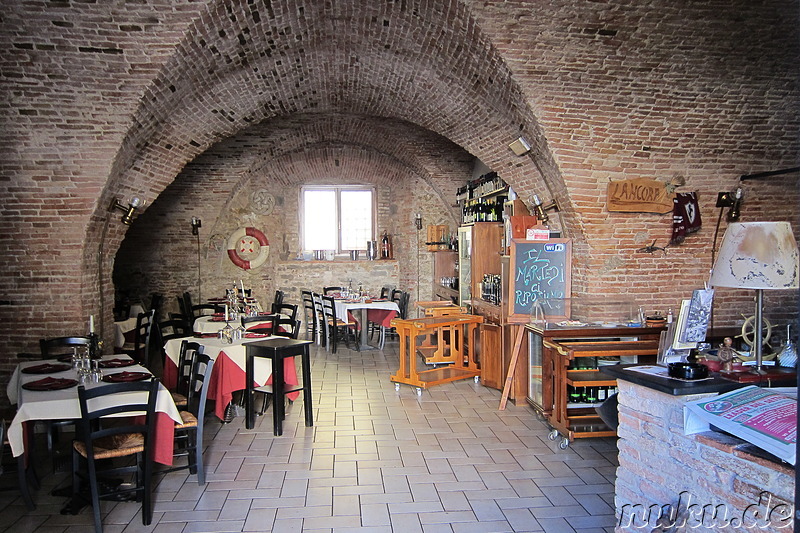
{"x": 540, "y": 274}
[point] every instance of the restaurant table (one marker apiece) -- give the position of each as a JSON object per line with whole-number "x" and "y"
{"x": 64, "y": 405}
{"x": 378, "y": 311}
{"x": 228, "y": 374}
{"x": 210, "y": 325}
{"x": 124, "y": 331}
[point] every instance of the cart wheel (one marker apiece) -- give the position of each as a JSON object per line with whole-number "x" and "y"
{"x": 553, "y": 434}
{"x": 477, "y": 379}
{"x": 397, "y": 387}
{"x": 419, "y": 391}
{"x": 564, "y": 444}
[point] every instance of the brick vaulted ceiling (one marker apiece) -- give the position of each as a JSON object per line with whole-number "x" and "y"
{"x": 244, "y": 63}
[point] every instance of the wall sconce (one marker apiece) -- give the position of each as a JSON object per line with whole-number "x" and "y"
{"x": 541, "y": 210}
{"x": 196, "y": 225}
{"x": 128, "y": 211}
{"x": 418, "y": 221}
{"x": 520, "y": 146}
{"x": 733, "y": 200}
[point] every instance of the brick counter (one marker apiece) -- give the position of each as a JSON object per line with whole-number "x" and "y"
{"x": 703, "y": 482}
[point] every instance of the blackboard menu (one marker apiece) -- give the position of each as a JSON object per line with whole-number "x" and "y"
{"x": 540, "y": 275}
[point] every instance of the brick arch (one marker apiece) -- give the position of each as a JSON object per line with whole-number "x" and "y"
{"x": 241, "y": 64}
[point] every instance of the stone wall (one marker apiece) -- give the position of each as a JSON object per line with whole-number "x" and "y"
{"x": 661, "y": 469}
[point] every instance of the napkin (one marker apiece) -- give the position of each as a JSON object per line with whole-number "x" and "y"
{"x": 117, "y": 363}
{"x": 46, "y": 368}
{"x": 252, "y": 335}
{"x": 120, "y": 377}
{"x": 48, "y": 384}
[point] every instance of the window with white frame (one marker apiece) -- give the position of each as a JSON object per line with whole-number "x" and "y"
{"x": 339, "y": 218}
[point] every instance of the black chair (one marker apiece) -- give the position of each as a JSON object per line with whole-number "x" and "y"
{"x": 139, "y": 350}
{"x": 185, "y": 357}
{"x": 173, "y": 329}
{"x": 189, "y": 433}
{"x": 277, "y": 350}
{"x": 283, "y": 326}
{"x": 205, "y": 310}
{"x": 336, "y": 327}
{"x": 59, "y": 346}
{"x": 331, "y": 290}
{"x": 182, "y": 308}
{"x": 50, "y": 348}
{"x": 26, "y": 477}
{"x": 287, "y": 310}
{"x": 265, "y": 325}
{"x": 319, "y": 312}
{"x": 156, "y": 302}
{"x": 309, "y": 316}
{"x": 103, "y": 436}
{"x": 277, "y": 301}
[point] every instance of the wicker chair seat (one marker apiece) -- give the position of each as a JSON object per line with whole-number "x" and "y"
{"x": 188, "y": 420}
{"x": 113, "y": 446}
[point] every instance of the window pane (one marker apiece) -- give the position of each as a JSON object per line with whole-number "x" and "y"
{"x": 356, "y": 215}
{"x": 319, "y": 216}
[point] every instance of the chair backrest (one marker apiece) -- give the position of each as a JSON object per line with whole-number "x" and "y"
{"x": 330, "y": 290}
{"x": 329, "y": 308}
{"x": 266, "y": 323}
{"x": 277, "y": 301}
{"x": 308, "y": 309}
{"x": 319, "y": 316}
{"x": 173, "y": 328}
{"x": 185, "y": 358}
{"x": 200, "y": 369}
{"x": 289, "y": 310}
{"x": 156, "y": 301}
{"x": 141, "y": 338}
{"x": 403, "y": 305}
{"x": 206, "y": 309}
{"x": 60, "y": 345}
{"x": 385, "y": 292}
{"x": 395, "y": 296}
{"x": 182, "y": 306}
{"x": 96, "y": 404}
{"x": 285, "y": 327}
{"x": 187, "y": 302}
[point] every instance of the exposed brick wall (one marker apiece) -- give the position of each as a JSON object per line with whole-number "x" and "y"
{"x": 104, "y": 99}
{"x": 658, "y": 464}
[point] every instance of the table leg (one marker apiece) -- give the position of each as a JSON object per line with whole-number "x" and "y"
{"x": 363, "y": 344}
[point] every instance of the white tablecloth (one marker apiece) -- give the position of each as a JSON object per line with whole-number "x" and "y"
{"x": 61, "y": 404}
{"x": 343, "y": 306}
{"x": 121, "y": 328}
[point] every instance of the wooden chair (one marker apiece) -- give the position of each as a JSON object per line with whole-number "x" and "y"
{"x": 103, "y": 438}
{"x": 58, "y": 346}
{"x": 25, "y": 474}
{"x": 265, "y": 326}
{"x": 277, "y": 350}
{"x": 321, "y": 334}
{"x": 189, "y": 433}
{"x": 139, "y": 350}
{"x": 331, "y": 290}
{"x": 309, "y": 316}
{"x": 336, "y": 327}
{"x": 181, "y": 393}
{"x": 277, "y": 301}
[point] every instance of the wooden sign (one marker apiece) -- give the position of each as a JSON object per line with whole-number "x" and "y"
{"x": 541, "y": 275}
{"x": 639, "y": 195}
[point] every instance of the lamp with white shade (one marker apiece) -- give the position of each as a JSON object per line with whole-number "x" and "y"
{"x": 759, "y": 256}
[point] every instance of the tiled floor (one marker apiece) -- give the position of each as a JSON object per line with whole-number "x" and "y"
{"x": 376, "y": 460}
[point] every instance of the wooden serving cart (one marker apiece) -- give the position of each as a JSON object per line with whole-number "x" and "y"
{"x": 447, "y": 342}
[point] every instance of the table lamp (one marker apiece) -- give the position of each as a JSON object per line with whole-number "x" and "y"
{"x": 759, "y": 256}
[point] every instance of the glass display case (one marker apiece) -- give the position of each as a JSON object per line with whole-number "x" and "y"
{"x": 464, "y": 265}
{"x": 619, "y": 311}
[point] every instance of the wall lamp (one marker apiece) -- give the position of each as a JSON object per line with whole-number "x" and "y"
{"x": 520, "y": 146}
{"x": 196, "y": 225}
{"x": 541, "y": 209}
{"x": 128, "y": 211}
{"x": 418, "y": 221}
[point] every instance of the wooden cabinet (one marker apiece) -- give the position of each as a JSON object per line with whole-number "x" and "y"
{"x": 566, "y": 361}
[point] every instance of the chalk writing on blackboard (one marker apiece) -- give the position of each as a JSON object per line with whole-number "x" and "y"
{"x": 541, "y": 276}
